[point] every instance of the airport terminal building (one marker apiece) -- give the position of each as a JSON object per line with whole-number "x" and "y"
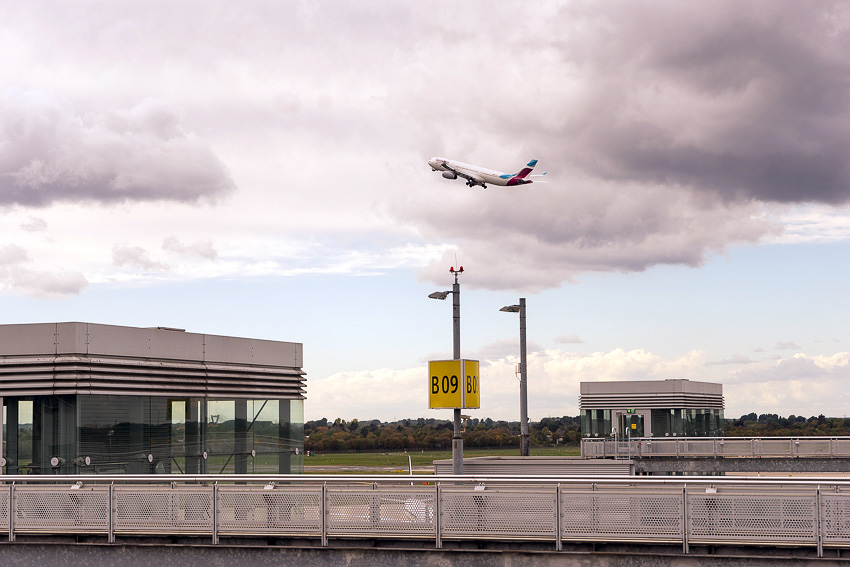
{"x": 84, "y": 398}
{"x": 651, "y": 408}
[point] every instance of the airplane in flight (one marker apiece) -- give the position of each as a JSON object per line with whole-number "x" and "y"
{"x": 477, "y": 175}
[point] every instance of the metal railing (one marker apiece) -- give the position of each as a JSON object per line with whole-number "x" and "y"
{"x": 741, "y": 511}
{"x": 733, "y": 447}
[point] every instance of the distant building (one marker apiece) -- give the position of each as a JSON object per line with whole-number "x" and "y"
{"x": 657, "y": 408}
{"x": 82, "y": 398}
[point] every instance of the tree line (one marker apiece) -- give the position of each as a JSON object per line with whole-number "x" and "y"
{"x": 433, "y": 434}
{"x": 436, "y": 434}
{"x": 773, "y": 425}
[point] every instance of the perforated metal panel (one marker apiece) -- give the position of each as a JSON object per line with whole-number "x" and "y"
{"x": 156, "y": 510}
{"x": 502, "y": 512}
{"x": 283, "y": 510}
{"x": 774, "y": 447}
{"x": 382, "y": 511}
{"x": 613, "y": 514}
{"x": 4, "y": 509}
{"x": 835, "y": 517}
{"x": 735, "y": 448}
{"x": 730, "y": 515}
{"x": 61, "y": 510}
{"x": 695, "y": 511}
{"x": 841, "y": 447}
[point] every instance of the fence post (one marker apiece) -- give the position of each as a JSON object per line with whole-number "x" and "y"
{"x": 686, "y": 520}
{"x": 438, "y": 516}
{"x": 113, "y": 511}
{"x": 374, "y": 507}
{"x": 558, "y": 543}
{"x": 819, "y": 523}
{"x": 13, "y": 511}
{"x": 325, "y": 514}
{"x": 215, "y": 513}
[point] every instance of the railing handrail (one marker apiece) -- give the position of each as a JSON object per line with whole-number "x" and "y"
{"x": 406, "y": 479}
{"x": 693, "y": 510}
{"x": 725, "y": 438}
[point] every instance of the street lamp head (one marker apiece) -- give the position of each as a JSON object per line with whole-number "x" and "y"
{"x": 441, "y": 295}
{"x": 510, "y": 309}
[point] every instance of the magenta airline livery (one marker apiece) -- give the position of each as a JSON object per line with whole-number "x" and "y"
{"x": 476, "y": 175}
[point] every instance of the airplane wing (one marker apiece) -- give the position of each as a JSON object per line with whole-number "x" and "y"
{"x": 472, "y": 179}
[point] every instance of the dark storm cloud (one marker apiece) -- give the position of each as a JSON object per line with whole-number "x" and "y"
{"x": 50, "y": 153}
{"x": 670, "y": 131}
{"x": 539, "y": 237}
{"x": 746, "y": 99}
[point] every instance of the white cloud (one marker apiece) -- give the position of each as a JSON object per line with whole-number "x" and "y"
{"x": 554, "y": 377}
{"x": 50, "y": 152}
{"x": 202, "y": 248}
{"x": 34, "y": 224}
{"x": 798, "y": 385}
{"x": 18, "y": 277}
{"x": 814, "y": 223}
{"x": 735, "y": 359}
{"x": 136, "y": 257}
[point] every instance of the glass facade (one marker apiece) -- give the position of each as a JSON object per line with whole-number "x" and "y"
{"x": 687, "y": 422}
{"x": 113, "y": 434}
{"x": 596, "y": 423}
{"x": 662, "y": 422}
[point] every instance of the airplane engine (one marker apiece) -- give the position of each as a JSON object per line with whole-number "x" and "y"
{"x": 449, "y": 175}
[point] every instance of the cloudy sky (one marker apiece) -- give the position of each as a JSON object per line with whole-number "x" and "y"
{"x": 260, "y": 169}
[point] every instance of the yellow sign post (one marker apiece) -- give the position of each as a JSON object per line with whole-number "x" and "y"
{"x": 453, "y": 384}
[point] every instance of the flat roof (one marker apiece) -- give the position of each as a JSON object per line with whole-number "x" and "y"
{"x": 93, "y": 339}
{"x": 671, "y": 386}
{"x": 88, "y": 359}
{"x": 651, "y": 394}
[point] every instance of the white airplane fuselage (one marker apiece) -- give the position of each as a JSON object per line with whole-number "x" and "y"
{"x": 477, "y": 175}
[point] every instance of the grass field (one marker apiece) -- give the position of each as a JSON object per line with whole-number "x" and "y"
{"x": 397, "y": 462}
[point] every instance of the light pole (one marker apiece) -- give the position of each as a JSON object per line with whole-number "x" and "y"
{"x": 524, "y": 447}
{"x": 457, "y": 438}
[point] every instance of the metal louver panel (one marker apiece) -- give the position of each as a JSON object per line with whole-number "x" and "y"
{"x": 74, "y": 374}
{"x": 650, "y": 401}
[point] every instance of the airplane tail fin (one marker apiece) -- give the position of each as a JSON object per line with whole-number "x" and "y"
{"x": 520, "y": 178}
{"x": 526, "y": 170}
